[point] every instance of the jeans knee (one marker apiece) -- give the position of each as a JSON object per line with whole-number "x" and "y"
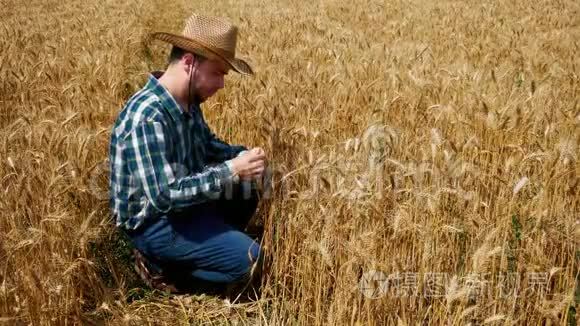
{"x": 247, "y": 261}
{"x": 254, "y": 252}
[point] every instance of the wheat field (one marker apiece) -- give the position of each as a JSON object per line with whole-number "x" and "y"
{"x": 425, "y": 155}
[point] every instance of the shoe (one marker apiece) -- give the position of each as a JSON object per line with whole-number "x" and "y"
{"x": 152, "y": 276}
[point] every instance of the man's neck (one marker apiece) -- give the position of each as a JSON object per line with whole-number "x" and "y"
{"x": 174, "y": 88}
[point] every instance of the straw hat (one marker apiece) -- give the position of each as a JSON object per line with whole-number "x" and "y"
{"x": 210, "y": 37}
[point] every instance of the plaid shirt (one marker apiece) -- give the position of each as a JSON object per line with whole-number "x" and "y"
{"x": 159, "y": 156}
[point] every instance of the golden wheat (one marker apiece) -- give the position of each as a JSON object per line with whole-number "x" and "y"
{"x": 416, "y": 139}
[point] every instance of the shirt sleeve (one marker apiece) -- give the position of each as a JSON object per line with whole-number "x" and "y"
{"x": 148, "y": 145}
{"x": 218, "y": 151}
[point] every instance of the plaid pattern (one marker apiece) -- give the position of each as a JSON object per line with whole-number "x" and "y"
{"x": 163, "y": 158}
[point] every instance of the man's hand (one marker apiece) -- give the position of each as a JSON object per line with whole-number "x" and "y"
{"x": 250, "y": 165}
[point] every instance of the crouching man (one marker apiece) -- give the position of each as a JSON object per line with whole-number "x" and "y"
{"x": 181, "y": 194}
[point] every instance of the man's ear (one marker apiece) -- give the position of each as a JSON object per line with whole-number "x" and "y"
{"x": 188, "y": 62}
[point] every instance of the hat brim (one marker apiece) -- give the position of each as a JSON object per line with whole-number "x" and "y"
{"x": 237, "y": 64}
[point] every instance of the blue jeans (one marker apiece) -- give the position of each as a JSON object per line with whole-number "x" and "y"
{"x": 203, "y": 248}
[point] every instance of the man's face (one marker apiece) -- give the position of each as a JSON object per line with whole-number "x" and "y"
{"x": 208, "y": 78}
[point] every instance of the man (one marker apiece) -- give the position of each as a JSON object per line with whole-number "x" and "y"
{"x": 179, "y": 192}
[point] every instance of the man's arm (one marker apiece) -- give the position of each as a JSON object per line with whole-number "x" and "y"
{"x": 219, "y": 151}
{"x": 147, "y": 148}
{"x": 216, "y": 149}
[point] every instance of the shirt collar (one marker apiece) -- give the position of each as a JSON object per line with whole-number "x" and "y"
{"x": 167, "y": 100}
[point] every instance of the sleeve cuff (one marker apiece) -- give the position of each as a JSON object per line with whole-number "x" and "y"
{"x": 234, "y": 178}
